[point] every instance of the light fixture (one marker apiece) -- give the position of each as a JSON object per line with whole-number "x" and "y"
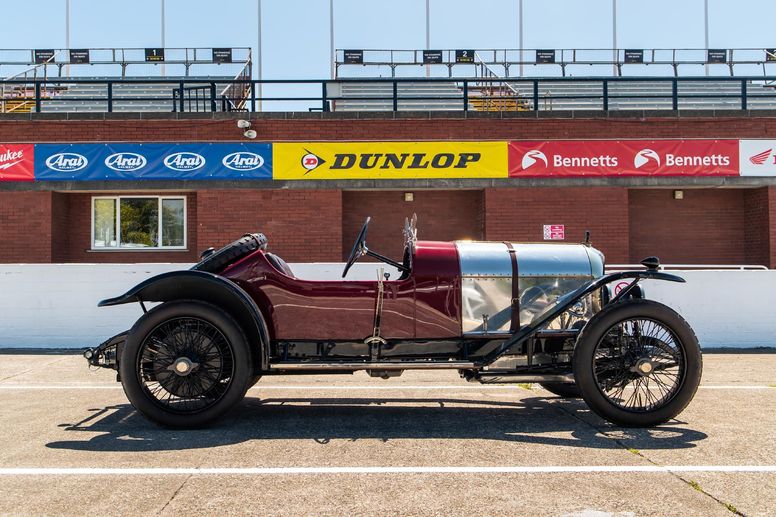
{"x": 678, "y": 194}
{"x": 409, "y": 197}
{"x": 249, "y": 133}
{"x": 243, "y": 124}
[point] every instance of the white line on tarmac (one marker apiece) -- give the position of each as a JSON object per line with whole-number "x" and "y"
{"x": 550, "y": 469}
{"x": 259, "y": 387}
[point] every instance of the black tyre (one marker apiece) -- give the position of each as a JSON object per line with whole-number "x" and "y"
{"x": 232, "y": 252}
{"x": 567, "y": 390}
{"x": 637, "y": 363}
{"x": 185, "y": 364}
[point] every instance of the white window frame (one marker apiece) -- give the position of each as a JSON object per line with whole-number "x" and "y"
{"x": 118, "y": 247}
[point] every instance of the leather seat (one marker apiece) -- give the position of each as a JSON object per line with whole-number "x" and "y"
{"x": 279, "y": 264}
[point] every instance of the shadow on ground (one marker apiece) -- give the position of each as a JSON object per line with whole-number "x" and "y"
{"x": 530, "y": 420}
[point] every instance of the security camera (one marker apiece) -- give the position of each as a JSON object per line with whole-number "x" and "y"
{"x": 250, "y": 133}
{"x": 243, "y": 124}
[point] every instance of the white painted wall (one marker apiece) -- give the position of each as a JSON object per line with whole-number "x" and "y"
{"x": 55, "y": 305}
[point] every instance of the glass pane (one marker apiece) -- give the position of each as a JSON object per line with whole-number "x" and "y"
{"x": 104, "y": 223}
{"x": 139, "y": 222}
{"x": 172, "y": 222}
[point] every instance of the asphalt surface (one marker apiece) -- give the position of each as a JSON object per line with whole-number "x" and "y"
{"x": 297, "y": 445}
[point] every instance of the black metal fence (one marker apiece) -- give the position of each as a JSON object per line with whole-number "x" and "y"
{"x": 394, "y": 94}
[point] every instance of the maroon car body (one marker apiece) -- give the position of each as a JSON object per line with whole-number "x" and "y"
{"x": 494, "y": 311}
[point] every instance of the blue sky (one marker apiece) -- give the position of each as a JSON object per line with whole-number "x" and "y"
{"x": 296, "y": 32}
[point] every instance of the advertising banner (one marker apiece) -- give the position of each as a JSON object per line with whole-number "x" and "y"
{"x": 389, "y": 160}
{"x": 757, "y": 157}
{"x": 120, "y": 161}
{"x": 16, "y": 162}
{"x": 623, "y": 158}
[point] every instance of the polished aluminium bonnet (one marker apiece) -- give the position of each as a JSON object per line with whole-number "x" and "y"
{"x": 545, "y": 272}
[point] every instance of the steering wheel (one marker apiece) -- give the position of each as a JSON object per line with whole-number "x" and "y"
{"x": 359, "y": 248}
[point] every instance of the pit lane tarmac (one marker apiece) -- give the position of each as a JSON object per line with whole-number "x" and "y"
{"x": 423, "y": 443}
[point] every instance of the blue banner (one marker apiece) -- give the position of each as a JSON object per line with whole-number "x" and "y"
{"x": 152, "y": 161}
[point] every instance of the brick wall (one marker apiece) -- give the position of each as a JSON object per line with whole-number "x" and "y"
{"x": 304, "y": 128}
{"x": 518, "y": 215}
{"x": 443, "y": 215}
{"x": 706, "y": 227}
{"x": 25, "y": 227}
{"x": 301, "y": 225}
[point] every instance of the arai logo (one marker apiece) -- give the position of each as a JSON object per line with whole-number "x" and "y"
{"x": 66, "y": 162}
{"x": 184, "y": 161}
{"x": 125, "y": 162}
{"x": 242, "y": 161}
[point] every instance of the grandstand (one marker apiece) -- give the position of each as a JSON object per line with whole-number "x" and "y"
{"x": 490, "y": 80}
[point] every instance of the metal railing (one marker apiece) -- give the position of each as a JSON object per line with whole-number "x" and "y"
{"x": 310, "y": 94}
{"x": 674, "y": 60}
{"x": 60, "y": 59}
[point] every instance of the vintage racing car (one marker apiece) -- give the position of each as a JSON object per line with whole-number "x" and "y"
{"x": 497, "y": 312}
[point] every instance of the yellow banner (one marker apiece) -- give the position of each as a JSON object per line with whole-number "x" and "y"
{"x": 388, "y": 160}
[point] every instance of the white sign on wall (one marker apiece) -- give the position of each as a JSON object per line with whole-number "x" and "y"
{"x": 757, "y": 157}
{"x": 554, "y": 232}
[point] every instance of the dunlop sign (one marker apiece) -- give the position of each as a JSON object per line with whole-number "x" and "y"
{"x": 389, "y": 160}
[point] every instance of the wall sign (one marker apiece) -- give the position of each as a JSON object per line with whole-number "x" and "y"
{"x": 222, "y": 55}
{"x": 634, "y": 56}
{"x": 44, "y": 56}
{"x": 716, "y": 56}
{"x": 389, "y": 160}
{"x": 464, "y": 56}
{"x": 560, "y": 158}
{"x": 545, "y": 56}
{"x": 16, "y": 162}
{"x": 154, "y": 54}
{"x": 432, "y": 57}
{"x": 354, "y": 57}
{"x": 79, "y": 56}
{"x": 554, "y": 232}
{"x": 120, "y": 161}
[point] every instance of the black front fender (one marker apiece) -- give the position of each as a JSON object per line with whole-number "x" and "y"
{"x": 210, "y": 288}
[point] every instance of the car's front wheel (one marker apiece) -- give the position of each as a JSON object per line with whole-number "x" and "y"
{"x": 185, "y": 364}
{"x": 637, "y": 363}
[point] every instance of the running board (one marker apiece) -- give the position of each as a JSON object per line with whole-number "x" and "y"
{"x": 393, "y": 365}
{"x": 512, "y": 378}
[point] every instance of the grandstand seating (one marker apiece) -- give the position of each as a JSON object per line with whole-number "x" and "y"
{"x": 148, "y": 97}
{"x": 555, "y": 96}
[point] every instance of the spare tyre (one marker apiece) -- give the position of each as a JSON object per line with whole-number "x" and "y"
{"x": 214, "y": 261}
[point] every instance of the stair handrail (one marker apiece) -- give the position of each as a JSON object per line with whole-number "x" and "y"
{"x": 244, "y": 88}
{"x": 24, "y": 74}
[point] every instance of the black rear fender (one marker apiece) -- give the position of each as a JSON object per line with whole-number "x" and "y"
{"x": 209, "y": 288}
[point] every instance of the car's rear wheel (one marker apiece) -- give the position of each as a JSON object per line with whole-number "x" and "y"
{"x": 567, "y": 390}
{"x": 185, "y": 364}
{"x": 637, "y": 363}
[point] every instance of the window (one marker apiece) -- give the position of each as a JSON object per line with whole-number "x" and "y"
{"x": 138, "y": 222}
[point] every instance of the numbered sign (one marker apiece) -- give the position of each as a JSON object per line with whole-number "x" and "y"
{"x": 154, "y": 54}
{"x": 464, "y": 56}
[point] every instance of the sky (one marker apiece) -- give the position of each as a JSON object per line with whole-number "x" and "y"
{"x": 295, "y": 33}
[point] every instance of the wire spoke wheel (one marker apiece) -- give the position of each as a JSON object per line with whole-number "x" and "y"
{"x": 185, "y": 365}
{"x": 639, "y": 365}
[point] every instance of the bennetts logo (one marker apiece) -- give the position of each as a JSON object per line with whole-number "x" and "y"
{"x": 10, "y": 158}
{"x": 184, "y": 161}
{"x": 645, "y": 156}
{"x": 243, "y": 161}
{"x": 66, "y": 162}
{"x": 531, "y": 158}
{"x": 759, "y": 158}
{"x": 125, "y": 162}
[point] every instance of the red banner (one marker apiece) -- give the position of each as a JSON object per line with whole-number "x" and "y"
{"x": 16, "y": 163}
{"x": 623, "y": 158}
